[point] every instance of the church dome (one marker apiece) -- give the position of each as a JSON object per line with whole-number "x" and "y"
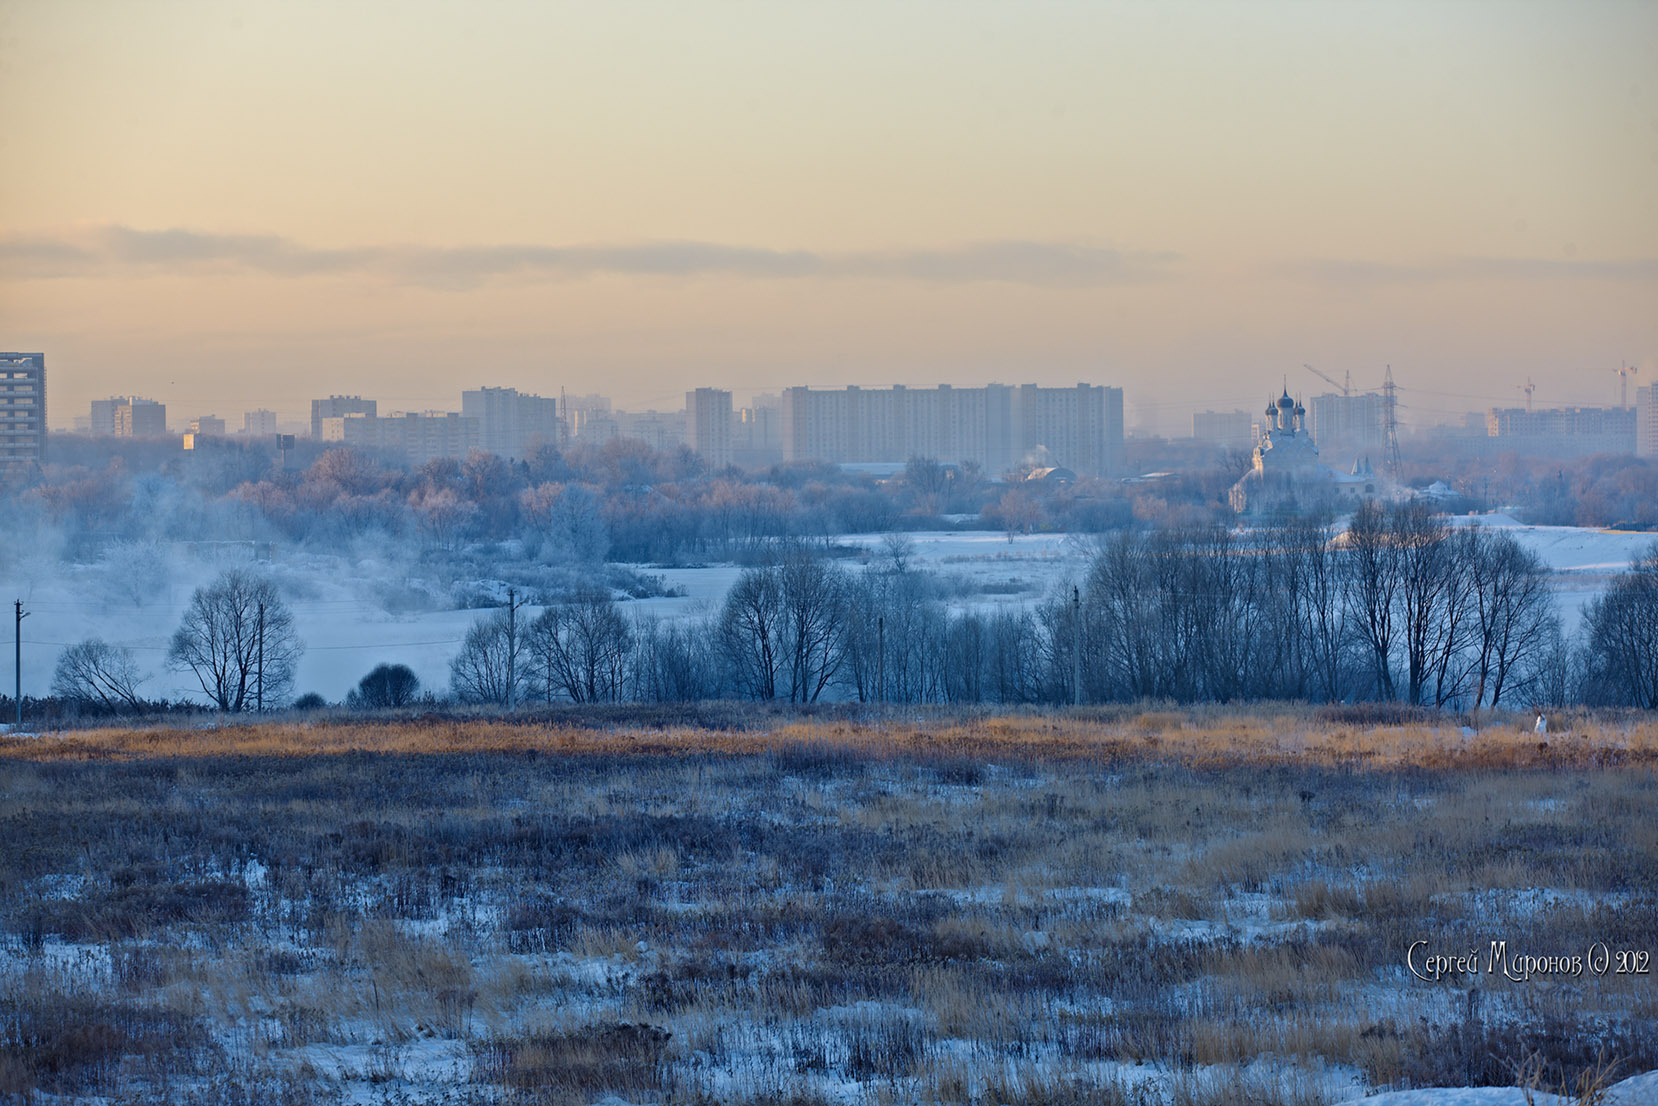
{"x": 1285, "y": 402}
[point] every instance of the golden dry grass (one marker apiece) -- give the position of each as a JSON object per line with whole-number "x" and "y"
{"x": 1295, "y": 736}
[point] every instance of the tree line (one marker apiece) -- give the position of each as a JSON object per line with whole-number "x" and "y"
{"x": 1401, "y": 605}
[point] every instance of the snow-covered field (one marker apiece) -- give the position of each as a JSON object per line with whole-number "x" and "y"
{"x": 818, "y": 926}
{"x": 341, "y": 609}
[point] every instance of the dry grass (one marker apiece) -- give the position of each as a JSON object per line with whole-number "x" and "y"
{"x": 1024, "y": 910}
{"x": 1295, "y": 736}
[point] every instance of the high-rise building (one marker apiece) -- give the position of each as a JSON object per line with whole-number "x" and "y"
{"x": 1563, "y": 431}
{"x": 512, "y": 423}
{"x": 708, "y": 425}
{"x": 1646, "y": 420}
{"x": 757, "y": 432}
{"x": 207, "y": 426}
{"x": 22, "y": 412}
{"x": 260, "y": 423}
{"x": 1348, "y": 426}
{"x": 663, "y": 431}
{"x": 1227, "y": 429}
{"x": 335, "y": 406}
{"x": 129, "y": 417}
{"x": 995, "y": 427}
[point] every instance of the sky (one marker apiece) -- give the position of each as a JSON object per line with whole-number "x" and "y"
{"x": 229, "y": 205}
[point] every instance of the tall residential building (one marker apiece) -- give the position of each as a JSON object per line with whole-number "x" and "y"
{"x": 996, "y": 427}
{"x": 335, "y": 406}
{"x": 512, "y": 423}
{"x": 1563, "y": 431}
{"x": 1350, "y": 425}
{"x": 129, "y": 417}
{"x": 22, "y": 412}
{"x": 260, "y": 423}
{"x": 1646, "y": 421}
{"x": 757, "y": 432}
{"x": 113, "y": 417}
{"x": 207, "y": 426}
{"x": 708, "y": 425}
{"x": 1079, "y": 428}
{"x": 1227, "y": 429}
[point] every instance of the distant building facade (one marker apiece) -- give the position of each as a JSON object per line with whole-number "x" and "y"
{"x": 513, "y": 423}
{"x": 663, "y": 431}
{"x": 1227, "y": 429}
{"x": 1563, "y": 431}
{"x": 708, "y": 425}
{"x": 995, "y": 427}
{"x": 1349, "y": 425}
{"x": 757, "y": 432}
{"x": 1646, "y": 421}
{"x": 414, "y": 436}
{"x": 335, "y": 407}
{"x": 260, "y": 423}
{"x": 22, "y": 413}
{"x": 128, "y": 417}
{"x": 207, "y": 426}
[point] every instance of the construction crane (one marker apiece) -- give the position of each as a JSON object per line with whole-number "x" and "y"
{"x": 1624, "y": 374}
{"x": 1346, "y": 389}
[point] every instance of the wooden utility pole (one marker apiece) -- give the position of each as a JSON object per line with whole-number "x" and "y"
{"x": 17, "y": 607}
{"x": 1076, "y": 646}
{"x": 881, "y": 658}
{"x": 512, "y": 643}
{"x": 260, "y": 697}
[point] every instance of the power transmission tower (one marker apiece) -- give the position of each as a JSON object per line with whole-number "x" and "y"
{"x": 17, "y": 607}
{"x": 1390, "y": 426}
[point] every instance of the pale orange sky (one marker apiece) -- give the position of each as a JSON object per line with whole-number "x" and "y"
{"x": 230, "y": 205}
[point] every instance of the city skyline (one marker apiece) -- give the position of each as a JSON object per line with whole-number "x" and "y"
{"x": 234, "y": 208}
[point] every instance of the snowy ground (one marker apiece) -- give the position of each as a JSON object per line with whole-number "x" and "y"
{"x": 342, "y": 615}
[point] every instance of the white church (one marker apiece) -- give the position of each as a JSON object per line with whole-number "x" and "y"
{"x": 1288, "y": 472}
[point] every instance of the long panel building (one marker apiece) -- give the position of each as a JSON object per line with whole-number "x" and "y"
{"x": 997, "y": 427}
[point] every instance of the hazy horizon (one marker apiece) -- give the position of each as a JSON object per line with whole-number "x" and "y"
{"x": 227, "y": 207}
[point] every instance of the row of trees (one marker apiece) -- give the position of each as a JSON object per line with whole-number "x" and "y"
{"x": 1399, "y": 606}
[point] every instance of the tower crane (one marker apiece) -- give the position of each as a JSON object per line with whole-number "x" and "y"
{"x": 1624, "y": 374}
{"x": 1346, "y": 389}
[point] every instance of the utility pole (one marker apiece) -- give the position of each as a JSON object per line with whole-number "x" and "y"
{"x": 260, "y": 695}
{"x": 881, "y": 658}
{"x": 512, "y": 642}
{"x": 1076, "y": 645}
{"x": 17, "y": 606}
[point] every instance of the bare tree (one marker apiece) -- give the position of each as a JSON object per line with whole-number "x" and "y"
{"x": 489, "y": 667}
{"x": 1373, "y": 558}
{"x": 579, "y": 649}
{"x": 1620, "y": 629}
{"x": 813, "y": 598}
{"x": 1514, "y": 619}
{"x": 94, "y": 671}
{"x": 238, "y": 638}
{"x": 751, "y": 632}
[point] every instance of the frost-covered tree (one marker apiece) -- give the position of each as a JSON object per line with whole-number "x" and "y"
{"x": 238, "y": 639}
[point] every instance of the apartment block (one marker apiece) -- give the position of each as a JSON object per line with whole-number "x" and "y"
{"x": 22, "y": 412}
{"x": 708, "y": 425}
{"x": 513, "y": 423}
{"x": 1646, "y": 421}
{"x": 1227, "y": 429}
{"x": 996, "y": 427}
{"x": 415, "y": 437}
{"x": 335, "y": 407}
{"x": 260, "y": 423}
{"x": 1563, "y": 431}
{"x": 1346, "y": 426}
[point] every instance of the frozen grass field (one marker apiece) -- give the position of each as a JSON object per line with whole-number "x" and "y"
{"x": 1117, "y": 907}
